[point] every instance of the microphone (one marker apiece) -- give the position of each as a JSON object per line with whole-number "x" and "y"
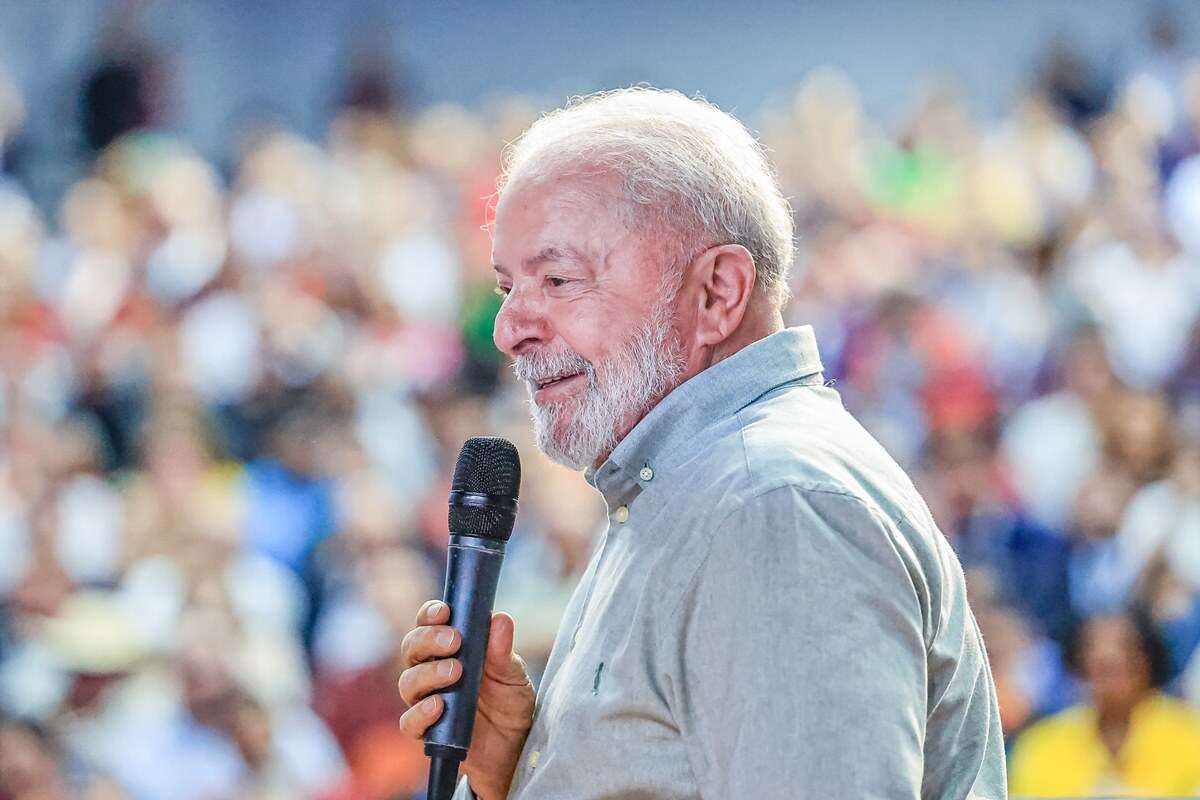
{"x": 483, "y": 507}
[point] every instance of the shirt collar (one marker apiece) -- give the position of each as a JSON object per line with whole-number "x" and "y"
{"x": 717, "y": 393}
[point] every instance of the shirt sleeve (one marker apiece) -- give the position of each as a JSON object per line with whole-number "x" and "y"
{"x": 802, "y": 655}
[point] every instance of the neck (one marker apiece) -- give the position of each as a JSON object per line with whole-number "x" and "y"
{"x": 757, "y": 324}
{"x": 1113, "y": 727}
{"x": 1117, "y": 713}
{"x": 1114, "y": 716}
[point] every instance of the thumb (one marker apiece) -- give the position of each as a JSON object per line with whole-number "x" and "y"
{"x": 502, "y": 663}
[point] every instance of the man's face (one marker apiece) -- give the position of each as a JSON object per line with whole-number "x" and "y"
{"x": 586, "y": 317}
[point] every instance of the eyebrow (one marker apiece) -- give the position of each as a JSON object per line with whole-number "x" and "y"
{"x": 550, "y": 253}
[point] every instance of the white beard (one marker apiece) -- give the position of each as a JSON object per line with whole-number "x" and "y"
{"x": 575, "y": 432}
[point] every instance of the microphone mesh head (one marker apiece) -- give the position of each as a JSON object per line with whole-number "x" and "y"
{"x": 486, "y": 465}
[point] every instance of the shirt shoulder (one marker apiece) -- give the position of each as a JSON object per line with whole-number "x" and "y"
{"x": 797, "y": 445}
{"x": 1059, "y": 754}
{"x": 1074, "y": 723}
{"x": 799, "y": 436}
{"x": 1174, "y": 721}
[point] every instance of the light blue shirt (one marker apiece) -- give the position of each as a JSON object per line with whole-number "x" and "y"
{"x": 772, "y": 613}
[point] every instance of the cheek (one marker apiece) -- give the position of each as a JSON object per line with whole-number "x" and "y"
{"x": 589, "y": 331}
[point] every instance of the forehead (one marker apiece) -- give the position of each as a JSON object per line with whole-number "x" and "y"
{"x": 570, "y": 215}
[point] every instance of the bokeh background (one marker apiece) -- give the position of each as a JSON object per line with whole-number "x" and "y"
{"x": 245, "y": 325}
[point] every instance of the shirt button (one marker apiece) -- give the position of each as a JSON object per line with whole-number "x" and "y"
{"x": 646, "y": 474}
{"x": 533, "y": 759}
{"x": 622, "y": 514}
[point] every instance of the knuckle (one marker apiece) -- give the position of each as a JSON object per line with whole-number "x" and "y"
{"x": 418, "y": 681}
{"x": 406, "y": 687}
{"x": 406, "y": 644}
{"x": 417, "y": 645}
{"x": 409, "y": 638}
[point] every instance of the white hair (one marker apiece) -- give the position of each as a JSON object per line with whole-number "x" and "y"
{"x": 687, "y": 169}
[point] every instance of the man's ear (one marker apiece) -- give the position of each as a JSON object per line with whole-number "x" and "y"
{"x": 724, "y": 278}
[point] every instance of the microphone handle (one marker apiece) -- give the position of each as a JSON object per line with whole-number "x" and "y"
{"x": 472, "y": 573}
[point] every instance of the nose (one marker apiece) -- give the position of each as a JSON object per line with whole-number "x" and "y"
{"x": 521, "y": 324}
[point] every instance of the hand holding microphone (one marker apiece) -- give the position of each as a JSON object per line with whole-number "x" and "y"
{"x": 482, "y": 507}
{"x": 506, "y": 695}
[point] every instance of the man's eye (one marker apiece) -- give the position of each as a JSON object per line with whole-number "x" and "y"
{"x": 502, "y": 291}
{"x": 558, "y": 282}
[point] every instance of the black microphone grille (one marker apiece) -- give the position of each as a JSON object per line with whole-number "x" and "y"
{"x": 488, "y": 471}
{"x": 488, "y": 465}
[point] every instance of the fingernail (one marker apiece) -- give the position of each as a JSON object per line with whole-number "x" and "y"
{"x": 436, "y": 608}
{"x": 445, "y": 668}
{"x": 445, "y": 638}
{"x": 429, "y": 704}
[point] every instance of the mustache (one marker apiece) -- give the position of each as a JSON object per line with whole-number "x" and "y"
{"x": 539, "y": 367}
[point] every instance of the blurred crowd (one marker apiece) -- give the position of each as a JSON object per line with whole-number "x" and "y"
{"x": 232, "y": 394}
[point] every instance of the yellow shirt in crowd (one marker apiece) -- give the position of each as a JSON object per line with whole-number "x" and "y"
{"x": 1063, "y": 755}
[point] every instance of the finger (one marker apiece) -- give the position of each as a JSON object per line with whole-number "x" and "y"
{"x": 500, "y": 637}
{"x": 427, "y": 643}
{"x": 417, "y": 682}
{"x": 433, "y": 612}
{"x": 502, "y": 663}
{"x": 417, "y": 719}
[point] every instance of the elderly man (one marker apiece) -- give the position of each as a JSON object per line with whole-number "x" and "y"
{"x": 772, "y": 612}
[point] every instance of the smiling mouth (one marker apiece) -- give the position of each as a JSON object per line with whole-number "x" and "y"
{"x": 556, "y": 380}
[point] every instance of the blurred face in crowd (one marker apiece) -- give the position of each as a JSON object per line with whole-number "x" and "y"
{"x": 1113, "y": 663}
{"x": 587, "y": 315}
